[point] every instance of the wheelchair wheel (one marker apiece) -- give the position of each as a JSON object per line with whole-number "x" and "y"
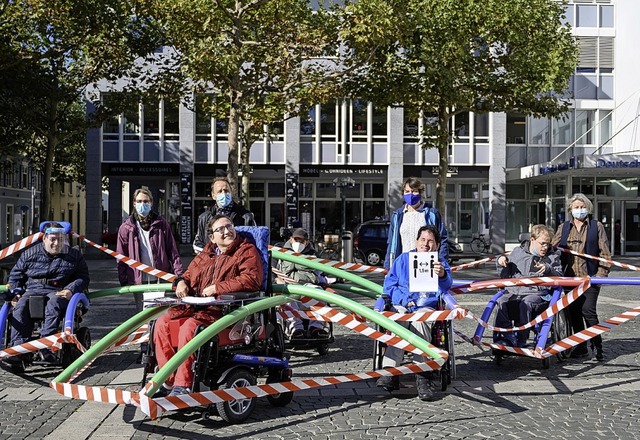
{"x": 237, "y": 411}
{"x": 322, "y": 349}
{"x": 561, "y": 328}
{"x": 378, "y": 352}
{"x": 280, "y": 399}
{"x": 70, "y": 352}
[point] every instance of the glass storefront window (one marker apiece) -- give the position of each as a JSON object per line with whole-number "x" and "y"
{"x": 517, "y": 214}
{"x": 325, "y": 190}
{"x": 516, "y": 191}
{"x": 450, "y": 192}
{"x": 583, "y": 185}
{"x": 373, "y": 190}
{"x": 256, "y": 189}
{"x": 605, "y": 127}
{"x": 469, "y": 191}
{"x": 306, "y": 190}
{"x": 558, "y": 187}
{"x": 275, "y": 189}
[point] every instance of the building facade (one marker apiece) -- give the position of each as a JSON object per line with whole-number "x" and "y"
{"x": 502, "y": 166}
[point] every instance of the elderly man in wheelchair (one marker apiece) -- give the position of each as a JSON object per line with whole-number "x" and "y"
{"x": 228, "y": 263}
{"x": 46, "y": 275}
{"x": 519, "y": 305}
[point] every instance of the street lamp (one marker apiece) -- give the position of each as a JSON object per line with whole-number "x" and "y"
{"x": 347, "y": 250}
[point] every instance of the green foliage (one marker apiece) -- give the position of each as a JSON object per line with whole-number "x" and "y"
{"x": 443, "y": 57}
{"x": 51, "y": 51}
{"x": 262, "y": 58}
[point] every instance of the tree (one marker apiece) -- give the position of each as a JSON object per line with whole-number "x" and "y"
{"x": 443, "y": 57}
{"x": 263, "y": 60}
{"x": 52, "y": 50}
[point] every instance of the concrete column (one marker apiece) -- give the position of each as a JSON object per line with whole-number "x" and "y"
{"x": 292, "y": 144}
{"x": 187, "y": 139}
{"x": 93, "y": 215}
{"x": 498, "y": 183}
{"x": 395, "y": 174}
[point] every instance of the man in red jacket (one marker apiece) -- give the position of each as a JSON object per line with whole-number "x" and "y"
{"x": 228, "y": 263}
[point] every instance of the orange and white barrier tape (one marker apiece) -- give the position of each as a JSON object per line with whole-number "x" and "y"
{"x": 603, "y": 260}
{"x": 19, "y": 245}
{"x": 129, "y": 261}
{"x": 352, "y": 267}
{"x": 155, "y": 407}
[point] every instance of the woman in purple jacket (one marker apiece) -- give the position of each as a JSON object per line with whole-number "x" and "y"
{"x": 146, "y": 237}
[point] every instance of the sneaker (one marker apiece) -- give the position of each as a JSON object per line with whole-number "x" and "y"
{"x": 177, "y": 391}
{"x": 389, "y": 383}
{"x": 599, "y": 354}
{"x": 425, "y": 389}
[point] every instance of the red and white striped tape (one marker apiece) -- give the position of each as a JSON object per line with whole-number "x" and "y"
{"x": 603, "y": 260}
{"x": 19, "y": 245}
{"x": 352, "y": 267}
{"x": 129, "y": 261}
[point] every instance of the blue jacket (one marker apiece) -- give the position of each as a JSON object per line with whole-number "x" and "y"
{"x": 41, "y": 273}
{"x": 396, "y": 284}
{"x": 394, "y": 242}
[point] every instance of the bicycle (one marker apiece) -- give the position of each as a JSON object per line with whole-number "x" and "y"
{"x": 479, "y": 245}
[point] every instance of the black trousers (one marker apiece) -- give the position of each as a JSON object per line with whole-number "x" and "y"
{"x": 583, "y": 310}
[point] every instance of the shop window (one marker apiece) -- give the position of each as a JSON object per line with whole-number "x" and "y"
{"x": 306, "y": 190}
{"x": 539, "y": 189}
{"x": 276, "y": 189}
{"x": 373, "y": 190}
{"x": 469, "y": 191}
{"x": 256, "y": 189}
{"x": 515, "y": 191}
{"x": 325, "y": 190}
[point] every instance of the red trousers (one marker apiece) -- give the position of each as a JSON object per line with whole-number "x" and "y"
{"x": 162, "y": 339}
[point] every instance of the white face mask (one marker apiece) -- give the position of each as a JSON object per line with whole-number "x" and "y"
{"x": 297, "y": 247}
{"x": 579, "y": 213}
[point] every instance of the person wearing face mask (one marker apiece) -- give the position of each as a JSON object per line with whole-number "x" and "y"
{"x": 519, "y": 305}
{"x": 145, "y": 236}
{"x": 396, "y": 286}
{"x": 223, "y": 205}
{"x": 51, "y": 268}
{"x": 299, "y": 243}
{"x": 585, "y": 235}
{"x": 409, "y": 218}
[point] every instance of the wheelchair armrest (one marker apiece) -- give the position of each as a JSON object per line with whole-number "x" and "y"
{"x": 239, "y": 295}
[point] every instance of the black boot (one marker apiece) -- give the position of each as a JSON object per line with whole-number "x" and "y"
{"x": 389, "y": 383}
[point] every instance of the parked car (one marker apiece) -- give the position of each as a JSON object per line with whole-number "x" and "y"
{"x": 370, "y": 243}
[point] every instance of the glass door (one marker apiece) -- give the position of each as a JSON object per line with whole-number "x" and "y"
{"x": 605, "y": 215}
{"x": 630, "y": 228}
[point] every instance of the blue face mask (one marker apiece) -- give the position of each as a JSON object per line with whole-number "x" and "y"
{"x": 223, "y": 199}
{"x": 412, "y": 199}
{"x": 143, "y": 209}
{"x": 579, "y": 213}
{"x": 534, "y": 250}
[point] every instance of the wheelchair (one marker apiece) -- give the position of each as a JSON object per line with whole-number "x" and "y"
{"x": 441, "y": 337}
{"x": 545, "y": 333}
{"x": 78, "y": 306}
{"x": 251, "y": 349}
{"x": 76, "y": 309}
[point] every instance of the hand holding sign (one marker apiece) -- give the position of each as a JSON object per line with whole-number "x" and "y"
{"x": 424, "y": 271}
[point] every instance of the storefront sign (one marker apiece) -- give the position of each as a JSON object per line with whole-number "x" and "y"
{"x": 601, "y": 163}
{"x": 292, "y": 198}
{"x": 315, "y": 171}
{"x": 186, "y": 207}
{"x": 118, "y": 169}
{"x": 452, "y": 171}
{"x": 548, "y": 169}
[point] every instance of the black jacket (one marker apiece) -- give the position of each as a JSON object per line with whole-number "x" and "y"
{"x": 239, "y": 215}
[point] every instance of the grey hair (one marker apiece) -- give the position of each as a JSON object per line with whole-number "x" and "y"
{"x": 584, "y": 199}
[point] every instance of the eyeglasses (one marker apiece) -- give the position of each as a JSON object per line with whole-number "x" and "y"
{"x": 220, "y": 229}
{"x": 544, "y": 245}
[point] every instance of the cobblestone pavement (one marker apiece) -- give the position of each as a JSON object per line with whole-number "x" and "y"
{"x": 576, "y": 399}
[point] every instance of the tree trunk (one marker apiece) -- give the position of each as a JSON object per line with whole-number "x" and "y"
{"x": 233, "y": 141}
{"x": 52, "y": 142}
{"x": 443, "y": 159}
{"x": 246, "y": 175}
